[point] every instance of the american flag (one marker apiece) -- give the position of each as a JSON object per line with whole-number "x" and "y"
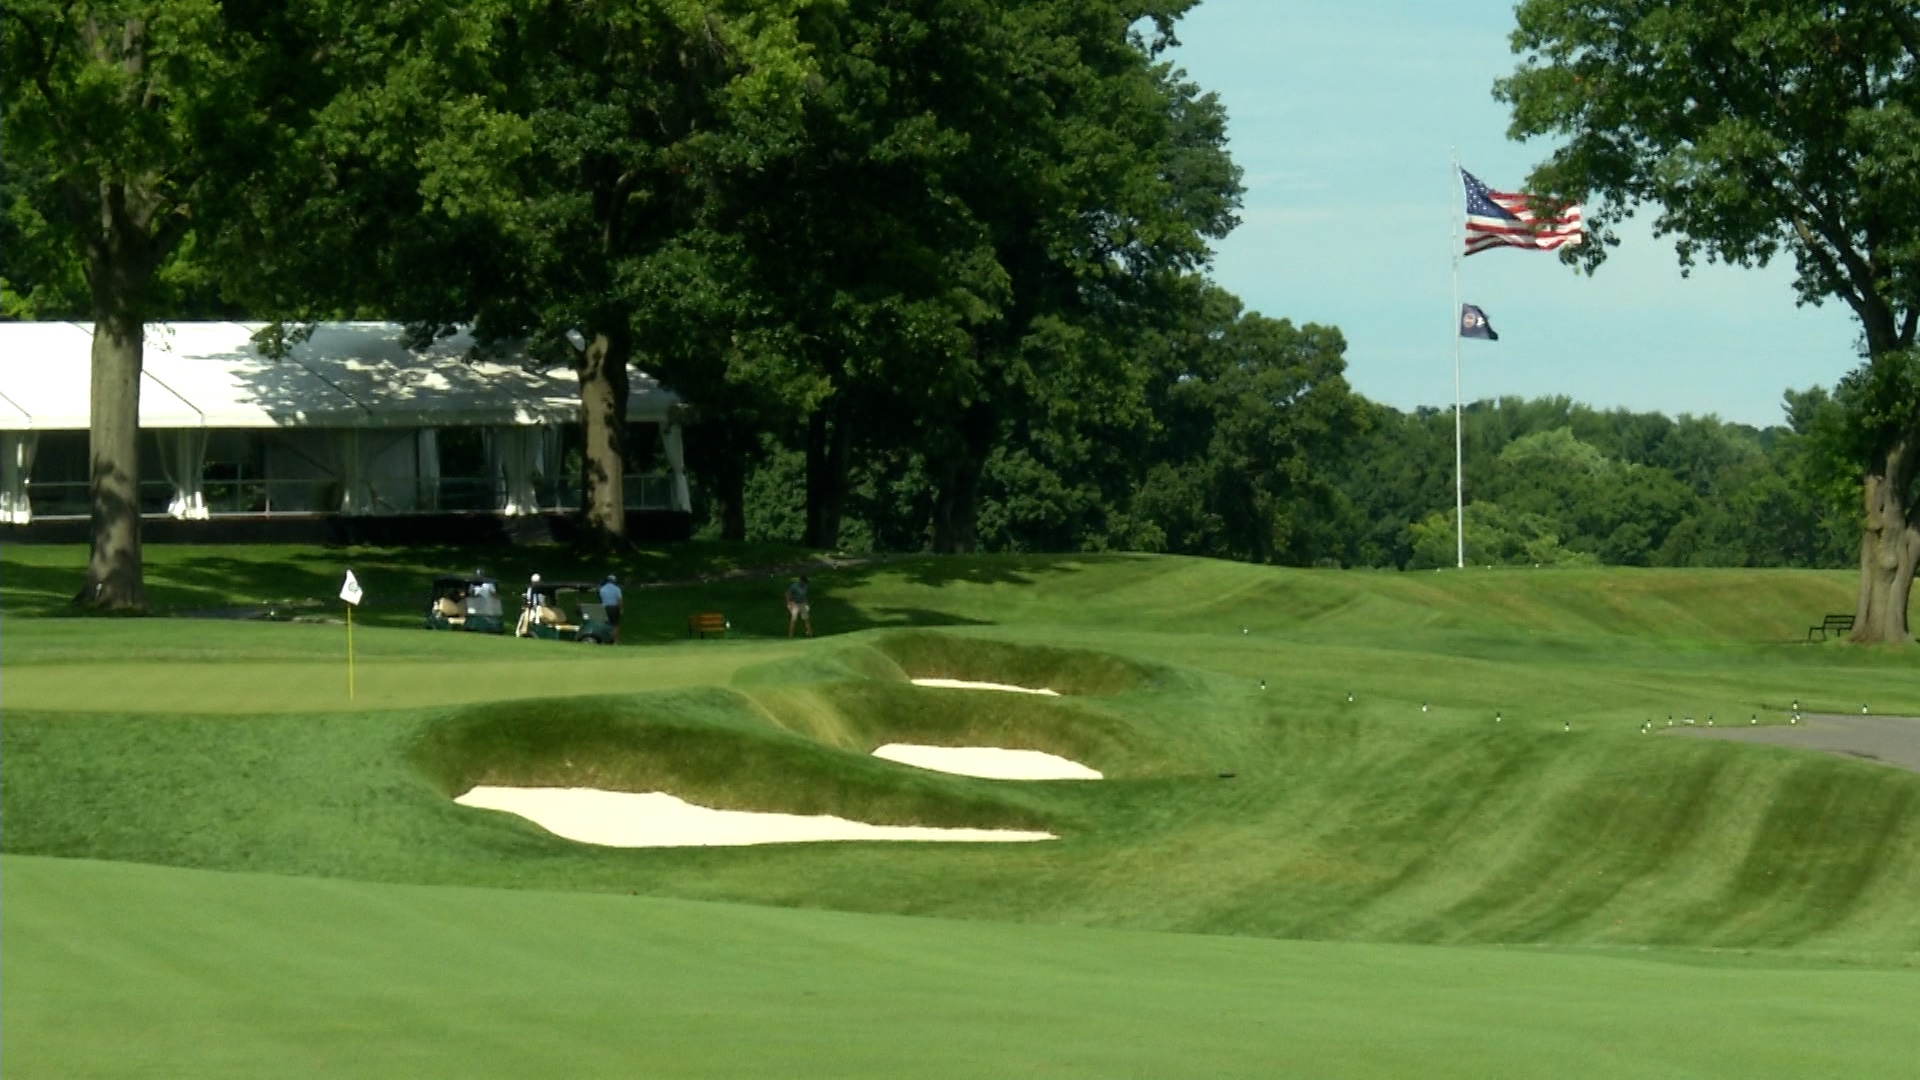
{"x": 1500, "y": 219}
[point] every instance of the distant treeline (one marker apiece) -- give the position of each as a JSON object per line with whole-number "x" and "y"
{"x": 1255, "y": 449}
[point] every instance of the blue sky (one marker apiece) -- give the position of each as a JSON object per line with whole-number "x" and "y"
{"x": 1344, "y": 114}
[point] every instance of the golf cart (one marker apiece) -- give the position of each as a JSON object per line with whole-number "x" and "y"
{"x": 466, "y": 602}
{"x": 565, "y": 611}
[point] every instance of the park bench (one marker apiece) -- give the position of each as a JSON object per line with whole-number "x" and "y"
{"x": 1832, "y": 624}
{"x": 707, "y": 622}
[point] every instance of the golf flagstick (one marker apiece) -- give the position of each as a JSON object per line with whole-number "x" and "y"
{"x": 351, "y": 593}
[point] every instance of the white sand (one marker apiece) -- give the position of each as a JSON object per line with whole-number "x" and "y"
{"x": 960, "y": 684}
{"x": 629, "y": 820}
{"x": 991, "y": 762}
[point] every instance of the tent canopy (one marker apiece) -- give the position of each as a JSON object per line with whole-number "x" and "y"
{"x": 347, "y": 375}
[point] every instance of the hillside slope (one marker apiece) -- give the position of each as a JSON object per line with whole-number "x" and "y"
{"x": 1405, "y": 814}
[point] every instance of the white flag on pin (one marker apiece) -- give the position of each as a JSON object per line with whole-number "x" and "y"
{"x": 350, "y": 592}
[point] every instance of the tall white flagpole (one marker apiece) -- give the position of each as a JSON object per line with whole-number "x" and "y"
{"x": 1459, "y": 486}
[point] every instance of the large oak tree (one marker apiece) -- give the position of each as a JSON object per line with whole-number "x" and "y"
{"x": 1758, "y": 128}
{"x": 992, "y": 200}
{"x": 120, "y": 118}
{"x": 633, "y": 107}
{"x": 153, "y": 140}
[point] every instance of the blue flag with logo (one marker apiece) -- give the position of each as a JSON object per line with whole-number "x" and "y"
{"x": 1474, "y": 324}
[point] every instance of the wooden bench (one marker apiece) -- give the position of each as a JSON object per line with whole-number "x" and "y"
{"x": 707, "y": 622}
{"x": 1832, "y": 624}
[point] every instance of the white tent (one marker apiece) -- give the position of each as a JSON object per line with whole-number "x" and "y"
{"x": 351, "y": 407}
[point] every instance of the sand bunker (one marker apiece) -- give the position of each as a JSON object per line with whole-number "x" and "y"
{"x": 1889, "y": 740}
{"x": 990, "y": 762}
{"x": 628, "y": 820}
{"x": 961, "y": 684}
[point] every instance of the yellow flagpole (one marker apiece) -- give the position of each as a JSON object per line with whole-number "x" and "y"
{"x": 349, "y": 652}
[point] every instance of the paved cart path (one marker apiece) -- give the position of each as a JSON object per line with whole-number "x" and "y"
{"x": 1889, "y": 740}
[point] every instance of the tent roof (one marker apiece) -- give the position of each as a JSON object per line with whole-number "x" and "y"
{"x": 345, "y": 375}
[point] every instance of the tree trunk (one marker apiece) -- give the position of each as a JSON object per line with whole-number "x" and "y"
{"x": 828, "y": 436}
{"x": 115, "y": 576}
{"x": 724, "y": 478}
{"x": 731, "y": 493}
{"x": 603, "y": 423}
{"x": 1889, "y": 548}
{"x": 956, "y": 507}
{"x": 956, "y": 511}
{"x": 719, "y": 449}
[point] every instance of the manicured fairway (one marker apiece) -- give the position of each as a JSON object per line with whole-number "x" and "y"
{"x": 134, "y": 971}
{"x": 1349, "y": 823}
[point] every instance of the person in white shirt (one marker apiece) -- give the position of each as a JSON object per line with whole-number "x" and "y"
{"x": 610, "y": 597}
{"x": 530, "y": 605}
{"x": 485, "y": 598}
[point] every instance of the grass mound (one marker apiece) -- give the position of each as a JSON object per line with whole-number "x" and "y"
{"x": 861, "y": 715}
{"x": 704, "y": 747}
{"x": 928, "y": 655}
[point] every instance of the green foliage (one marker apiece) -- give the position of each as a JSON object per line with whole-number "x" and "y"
{"x": 1621, "y": 488}
{"x": 988, "y": 202}
{"x": 776, "y": 494}
{"x": 1494, "y": 537}
{"x": 1353, "y": 483}
{"x": 402, "y": 123}
{"x": 1252, "y": 414}
{"x": 628, "y": 107}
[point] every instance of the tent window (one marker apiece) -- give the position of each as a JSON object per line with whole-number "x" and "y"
{"x": 463, "y": 452}
{"x": 235, "y": 473}
{"x": 643, "y": 448}
{"x": 62, "y": 458}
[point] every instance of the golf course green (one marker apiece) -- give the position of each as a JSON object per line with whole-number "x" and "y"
{"x": 1350, "y": 823}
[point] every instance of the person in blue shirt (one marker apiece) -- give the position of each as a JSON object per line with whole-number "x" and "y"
{"x": 610, "y": 599}
{"x": 798, "y": 609}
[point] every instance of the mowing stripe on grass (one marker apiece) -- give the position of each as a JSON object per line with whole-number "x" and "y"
{"x": 117, "y": 970}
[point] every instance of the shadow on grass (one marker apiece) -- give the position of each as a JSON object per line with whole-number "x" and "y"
{"x": 754, "y": 603}
{"x": 936, "y": 571}
{"x": 41, "y": 580}
{"x": 745, "y": 582}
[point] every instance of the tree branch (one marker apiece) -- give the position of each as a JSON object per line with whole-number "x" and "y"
{"x": 1828, "y": 263}
{"x": 173, "y": 228}
{"x": 1865, "y": 297}
{"x": 616, "y": 207}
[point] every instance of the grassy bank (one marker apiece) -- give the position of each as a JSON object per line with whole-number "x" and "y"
{"x": 1407, "y": 814}
{"x": 245, "y": 975}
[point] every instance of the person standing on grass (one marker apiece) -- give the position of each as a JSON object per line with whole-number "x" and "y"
{"x": 610, "y": 599}
{"x": 530, "y": 603}
{"x": 798, "y": 609}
